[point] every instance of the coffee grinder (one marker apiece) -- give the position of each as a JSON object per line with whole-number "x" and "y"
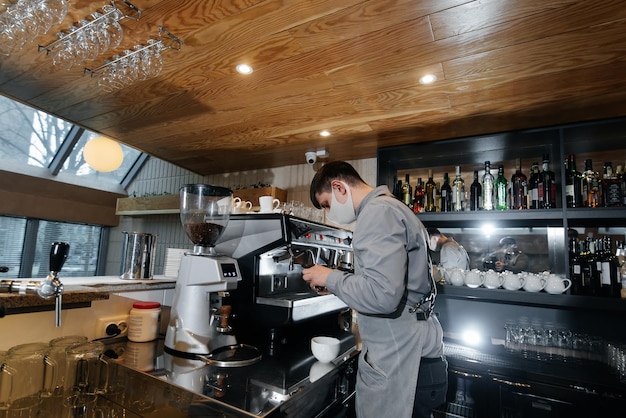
{"x": 200, "y": 309}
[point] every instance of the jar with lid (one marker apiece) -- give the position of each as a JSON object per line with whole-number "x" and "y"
{"x": 143, "y": 323}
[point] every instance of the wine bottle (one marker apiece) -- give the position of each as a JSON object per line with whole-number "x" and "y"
{"x": 519, "y": 188}
{"x": 488, "y": 188}
{"x": 586, "y": 262}
{"x": 547, "y": 185}
{"x": 446, "y": 194}
{"x": 610, "y": 187}
{"x": 611, "y": 283}
{"x": 591, "y": 187}
{"x": 501, "y": 190}
{"x": 430, "y": 193}
{"x": 575, "y": 268}
{"x": 533, "y": 185}
{"x": 458, "y": 191}
{"x": 407, "y": 195}
{"x": 476, "y": 193}
{"x": 419, "y": 198}
{"x": 573, "y": 179}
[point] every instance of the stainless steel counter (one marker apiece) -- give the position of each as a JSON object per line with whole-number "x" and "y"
{"x": 289, "y": 383}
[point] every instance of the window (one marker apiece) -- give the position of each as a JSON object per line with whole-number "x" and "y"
{"x": 25, "y": 247}
{"x": 32, "y": 138}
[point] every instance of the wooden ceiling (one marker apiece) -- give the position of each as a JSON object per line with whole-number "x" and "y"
{"x": 347, "y": 66}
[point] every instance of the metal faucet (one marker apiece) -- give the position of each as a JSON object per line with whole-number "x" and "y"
{"x": 50, "y": 287}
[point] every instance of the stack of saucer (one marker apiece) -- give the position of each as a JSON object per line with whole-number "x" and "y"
{"x": 172, "y": 261}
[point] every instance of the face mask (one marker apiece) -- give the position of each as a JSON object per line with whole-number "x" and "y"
{"x": 432, "y": 244}
{"x": 341, "y": 213}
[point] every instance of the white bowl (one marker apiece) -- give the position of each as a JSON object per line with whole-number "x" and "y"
{"x": 325, "y": 349}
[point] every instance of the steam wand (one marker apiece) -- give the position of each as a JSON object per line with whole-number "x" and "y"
{"x": 51, "y": 286}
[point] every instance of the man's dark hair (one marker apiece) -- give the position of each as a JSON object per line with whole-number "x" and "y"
{"x": 335, "y": 170}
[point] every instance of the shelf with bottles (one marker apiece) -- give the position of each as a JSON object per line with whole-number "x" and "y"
{"x": 505, "y": 178}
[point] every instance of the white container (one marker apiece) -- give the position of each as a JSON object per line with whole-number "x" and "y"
{"x": 143, "y": 322}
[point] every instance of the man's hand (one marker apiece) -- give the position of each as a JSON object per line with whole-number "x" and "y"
{"x": 316, "y": 278}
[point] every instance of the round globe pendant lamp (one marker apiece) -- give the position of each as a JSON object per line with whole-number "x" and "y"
{"x": 103, "y": 154}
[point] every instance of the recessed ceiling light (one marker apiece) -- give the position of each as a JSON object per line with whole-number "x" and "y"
{"x": 244, "y": 69}
{"x": 324, "y": 133}
{"x": 428, "y": 79}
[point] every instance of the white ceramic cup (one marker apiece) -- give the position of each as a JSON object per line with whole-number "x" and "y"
{"x": 474, "y": 278}
{"x": 513, "y": 281}
{"x": 534, "y": 282}
{"x": 456, "y": 276}
{"x": 557, "y": 284}
{"x": 268, "y": 204}
{"x": 493, "y": 279}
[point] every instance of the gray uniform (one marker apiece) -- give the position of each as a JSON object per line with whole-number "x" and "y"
{"x": 391, "y": 274}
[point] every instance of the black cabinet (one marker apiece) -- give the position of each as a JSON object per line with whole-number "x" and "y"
{"x": 485, "y": 310}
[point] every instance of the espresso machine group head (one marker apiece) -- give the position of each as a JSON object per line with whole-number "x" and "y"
{"x": 199, "y": 316}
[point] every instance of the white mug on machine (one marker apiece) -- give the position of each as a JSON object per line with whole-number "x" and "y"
{"x": 268, "y": 204}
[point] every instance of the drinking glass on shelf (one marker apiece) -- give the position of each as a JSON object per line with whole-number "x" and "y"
{"x": 116, "y": 33}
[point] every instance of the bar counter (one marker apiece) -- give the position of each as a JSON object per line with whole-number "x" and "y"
{"x": 289, "y": 382}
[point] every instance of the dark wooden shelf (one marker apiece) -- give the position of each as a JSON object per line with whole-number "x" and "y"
{"x": 539, "y": 299}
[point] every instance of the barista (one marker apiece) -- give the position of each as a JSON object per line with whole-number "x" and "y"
{"x": 451, "y": 253}
{"x": 507, "y": 257}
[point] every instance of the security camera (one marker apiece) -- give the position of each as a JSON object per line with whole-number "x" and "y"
{"x": 311, "y": 157}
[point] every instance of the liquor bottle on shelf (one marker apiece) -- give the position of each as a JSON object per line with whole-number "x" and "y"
{"x": 397, "y": 189}
{"x": 591, "y": 187}
{"x": 501, "y": 190}
{"x": 573, "y": 180}
{"x": 575, "y": 268}
{"x": 547, "y": 185}
{"x": 419, "y": 198}
{"x": 488, "y": 188}
{"x": 430, "y": 193}
{"x": 519, "y": 187}
{"x": 619, "y": 173}
{"x": 595, "y": 280}
{"x": 533, "y": 185}
{"x": 611, "y": 187}
{"x": 476, "y": 194}
{"x": 437, "y": 196}
{"x": 407, "y": 192}
{"x": 611, "y": 285}
{"x": 586, "y": 262}
{"x": 446, "y": 194}
{"x": 458, "y": 191}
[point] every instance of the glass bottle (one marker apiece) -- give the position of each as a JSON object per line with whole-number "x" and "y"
{"x": 591, "y": 187}
{"x": 595, "y": 281}
{"x": 575, "y": 268}
{"x": 501, "y": 190}
{"x": 458, "y": 191}
{"x": 610, "y": 187}
{"x": 519, "y": 188}
{"x": 397, "y": 190}
{"x": 611, "y": 283}
{"x": 586, "y": 261}
{"x": 419, "y": 198}
{"x": 547, "y": 186}
{"x": 476, "y": 193}
{"x": 619, "y": 173}
{"x": 573, "y": 179}
{"x": 395, "y": 187}
{"x": 407, "y": 192}
{"x": 446, "y": 194}
{"x": 488, "y": 188}
{"x": 430, "y": 193}
{"x": 533, "y": 185}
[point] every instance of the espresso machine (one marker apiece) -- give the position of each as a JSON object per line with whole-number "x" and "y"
{"x": 200, "y": 309}
{"x": 272, "y": 300}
